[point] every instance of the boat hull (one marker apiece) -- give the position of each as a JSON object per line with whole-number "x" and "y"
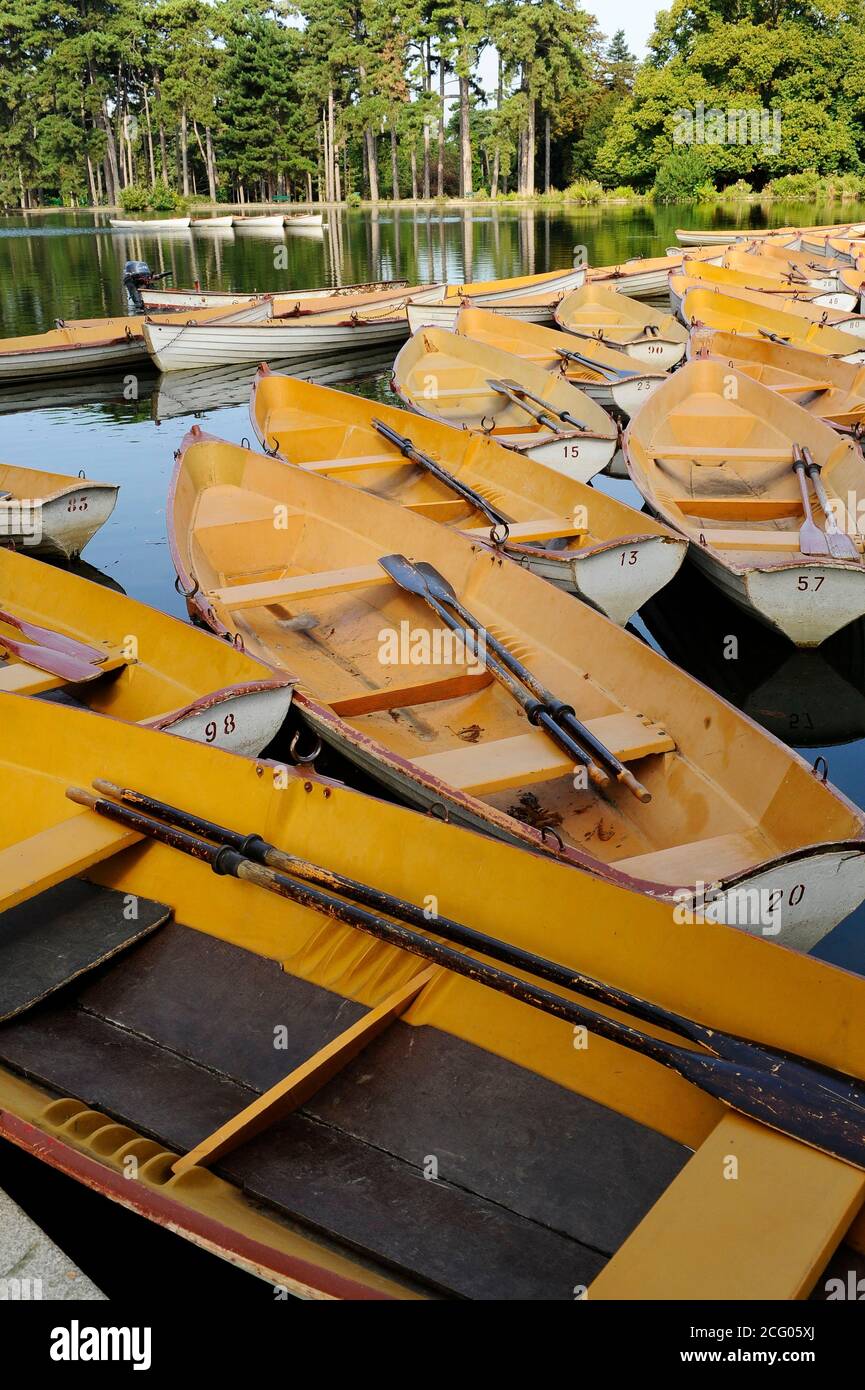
{"x": 60, "y": 525}
{"x": 174, "y": 349}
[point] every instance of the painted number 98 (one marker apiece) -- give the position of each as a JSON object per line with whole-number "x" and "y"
{"x": 211, "y": 729}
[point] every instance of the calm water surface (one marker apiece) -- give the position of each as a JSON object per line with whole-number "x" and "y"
{"x": 65, "y": 265}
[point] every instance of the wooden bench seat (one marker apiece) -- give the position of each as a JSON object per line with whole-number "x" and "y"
{"x": 723, "y": 453}
{"x": 547, "y": 529}
{"x": 299, "y": 586}
{"x": 708, "y": 859}
{"x": 719, "y": 538}
{"x": 351, "y": 465}
{"x": 484, "y": 768}
{"x": 739, "y": 508}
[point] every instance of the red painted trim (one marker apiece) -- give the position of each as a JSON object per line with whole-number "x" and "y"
{"x": 166, "y": 1211}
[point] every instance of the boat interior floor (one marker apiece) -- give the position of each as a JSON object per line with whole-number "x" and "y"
{"x": 536, "y": 1186}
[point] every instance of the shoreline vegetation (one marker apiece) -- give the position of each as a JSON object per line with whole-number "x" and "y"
{"x": 158, "y": 106}
{"x": 807, "y": 187}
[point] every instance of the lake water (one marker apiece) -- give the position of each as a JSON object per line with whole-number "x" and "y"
{"x": 69, "y": 266}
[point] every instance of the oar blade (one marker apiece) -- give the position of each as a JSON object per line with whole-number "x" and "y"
{"x": 56, "y": 663}
{"x": 404, "y": 573}
{"x": 811, "y": 1107}
{"x": 47, "y": 637}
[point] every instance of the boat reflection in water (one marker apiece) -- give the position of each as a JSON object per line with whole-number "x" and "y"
{"x": 809, "y": 698}
{"x": 208, "y": 388}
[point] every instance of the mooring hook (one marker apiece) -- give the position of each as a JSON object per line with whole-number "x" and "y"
{"x": 244, "y": 443}
{"x": 186, "y": 593}
{"x": 488, "y": 428}
{"x": 238, "y": 642}
{"x": 440, "y": 811}
{"x": 820, "y": 767}
{"x": 548, "y": 830}
{"x": 81, "y": 473}
{"x": 499, "y": 534}
{"x": 271, "y": 453}
{"x": 303, "y": 757}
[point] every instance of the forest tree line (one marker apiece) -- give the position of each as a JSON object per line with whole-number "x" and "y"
{"x": 154, "y": 101}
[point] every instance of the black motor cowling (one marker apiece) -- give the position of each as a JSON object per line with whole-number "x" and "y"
{"x": 138, "y": 276}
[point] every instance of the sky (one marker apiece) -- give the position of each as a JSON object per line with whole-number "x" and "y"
{"x": 636, "y": 17}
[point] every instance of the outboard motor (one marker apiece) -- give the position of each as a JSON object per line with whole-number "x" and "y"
{"x": 138, "y": 276}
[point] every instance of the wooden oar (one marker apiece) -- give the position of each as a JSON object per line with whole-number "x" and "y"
{"x": 444, "y": 593}
{"x": 524, "y": 395}
{"x": 261, "y": 851}
{"x": 812, "y": 541}
{"x": 816, "y": 1107}
{"x": 841, "y": 545}
{"x": 608, "y": 373}
{"x": 57, "y": 663}
{"x": 501, "y": 529}
{"x": 406, "y": 575}
{"x": 542, "y": 417}
{"x": 47, "y": 637}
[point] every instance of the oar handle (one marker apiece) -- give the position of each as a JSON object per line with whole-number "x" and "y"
{"x": 608, "y": 373}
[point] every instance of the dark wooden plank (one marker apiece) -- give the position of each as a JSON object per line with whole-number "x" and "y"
{"x": 220, "y": 1005}
{"x": 62, "y": 934}
{"x": 370, "y": 1200}
{"x": 503, "y": 1131}
{"x": 495, "y": 1128}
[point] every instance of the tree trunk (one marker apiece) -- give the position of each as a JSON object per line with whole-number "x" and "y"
{"x": 546, "y": 154}
{"x": 337, "y": 182}
{"x": 394, "y": 169}
{"x": 414, "y": 171}
{"x": 184, "y": 151}
{"x": 112, "y": 177}
{"x": 309, "y": 196}
{"x": 441, "y": 149}
{"x": 211, "y": 163}
{"x": 371, "y": 163}
{"x": 465, "y": 141}
{"x": 427, "y": 86}
{"x": 331, "y": 148}
{"x": 150, "y": 159}
{"x": 530, "y": 151}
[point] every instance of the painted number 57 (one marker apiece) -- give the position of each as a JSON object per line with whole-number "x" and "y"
{"x": 804, "y": 583}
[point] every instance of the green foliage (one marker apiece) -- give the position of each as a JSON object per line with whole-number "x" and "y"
{"x": 683, "y": 176}
{"x": 740, "y": 189}
{"x": 165, "y": 199}
{"x": 134, "y": 198}
{"x": 584, "y": 191}
{"x": 797, "y": 67}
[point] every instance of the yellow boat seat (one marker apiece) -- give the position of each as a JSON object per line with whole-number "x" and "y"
{"x": 484, "y": 768}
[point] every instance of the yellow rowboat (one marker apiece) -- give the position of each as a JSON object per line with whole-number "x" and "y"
{"x": 94, "y": 344}
{"x": 355, "y": 327}
{"x": 794, "y": 267}
{"x": 380, "y": 679}
{"x": 833, "y": 241}
{"x": 534, "y": 308}
{"x": 529, "y": 297}
{"x": 567, "y": 532}
{"x": 643, "y": 277}
{"x": 851, "y": 325}
{"x": 552, "y": 283}
{"x": 736, "y": 281}
{"x": 619, "y": 322}
{"x": 739, "y": 501}
{"x": 294, "y": 1162}
{"x": 827, "y": 387}
{"x": 50, "y": 513}
{"x": 736, "y": 314}
{"x": 688, "y": 236}
{"x": 606, "y": 374}
{"x": 853, "y": 279}
{"x": 448, "y": 378}
{"x": 124, "y": 659}
{"x": 165, "y": 299}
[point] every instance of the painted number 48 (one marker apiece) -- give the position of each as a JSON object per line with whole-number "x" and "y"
{"x": 804, "y": 583}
